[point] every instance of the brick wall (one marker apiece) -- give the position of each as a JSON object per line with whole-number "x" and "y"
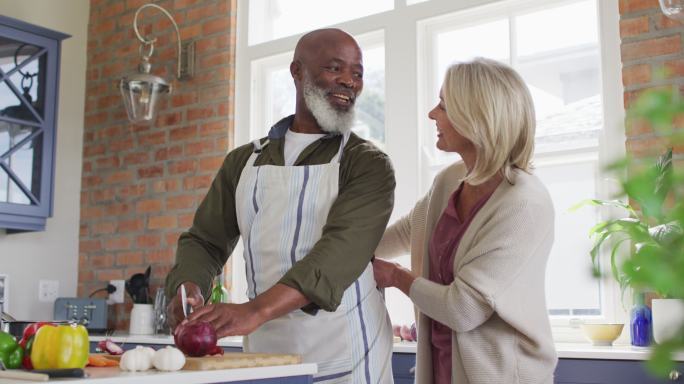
{"x": 652, "y": 57}
{"x": 141, "y": 185}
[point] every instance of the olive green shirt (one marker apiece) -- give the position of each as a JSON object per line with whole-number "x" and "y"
{"x": 355, "y": 223}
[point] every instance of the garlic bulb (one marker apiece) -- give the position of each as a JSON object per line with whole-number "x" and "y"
{"x": 138, "y": 359}
{"x": 168, "y": 359}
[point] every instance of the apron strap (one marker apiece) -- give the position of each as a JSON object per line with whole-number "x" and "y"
{"x": 338, "y": 156}
{"x": 258, "y": 147}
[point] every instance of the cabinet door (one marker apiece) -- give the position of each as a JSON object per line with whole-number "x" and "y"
{"x": 29, "y": 65}
{"x": 403, "y": 368}
{"x": 589, "y": 371}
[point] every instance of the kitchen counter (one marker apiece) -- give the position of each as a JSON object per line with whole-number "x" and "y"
{"x": 116, "y": 376}
{"x": 565, "y": 350}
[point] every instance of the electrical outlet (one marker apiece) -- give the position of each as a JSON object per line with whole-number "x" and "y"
{"x": 48, "y": 290}
{"x": 118, "y": 295}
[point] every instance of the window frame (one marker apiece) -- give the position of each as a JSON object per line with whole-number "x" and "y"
{"x": 406, "y": 38}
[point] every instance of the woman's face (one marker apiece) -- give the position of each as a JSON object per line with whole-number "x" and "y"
{"x": 448, "y": 140}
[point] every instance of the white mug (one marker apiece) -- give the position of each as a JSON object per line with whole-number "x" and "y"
{"x": 142, "y": 320}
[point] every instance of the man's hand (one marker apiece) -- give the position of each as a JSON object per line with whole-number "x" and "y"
{"x": 230, "y": 319}
{"x": 174, "y": 310}
{"x": 243, "y": 319}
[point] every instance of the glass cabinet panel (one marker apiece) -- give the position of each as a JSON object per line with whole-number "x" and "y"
{"x": 29, "y": 67}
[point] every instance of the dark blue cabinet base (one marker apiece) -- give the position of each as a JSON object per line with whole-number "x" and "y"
{"x": 568, "y": 371}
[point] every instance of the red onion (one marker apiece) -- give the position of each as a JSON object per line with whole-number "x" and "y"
{"x": 196, "y": 339}
{"x": 110, "y": 347}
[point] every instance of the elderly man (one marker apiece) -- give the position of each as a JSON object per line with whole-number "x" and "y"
{"x": 311, "y": 202}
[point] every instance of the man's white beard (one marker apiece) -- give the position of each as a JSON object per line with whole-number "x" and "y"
{"x": 328, "y": 118}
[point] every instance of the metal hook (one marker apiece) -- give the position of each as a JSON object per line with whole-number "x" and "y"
{"x": 151, "y": 41}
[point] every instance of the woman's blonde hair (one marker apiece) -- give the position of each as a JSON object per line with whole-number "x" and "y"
{"x": 488, "y": 103}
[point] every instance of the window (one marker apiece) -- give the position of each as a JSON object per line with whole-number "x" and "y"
{"x": 562, "y": 48}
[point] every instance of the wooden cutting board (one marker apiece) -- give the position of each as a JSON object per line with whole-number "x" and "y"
{"x": 235, "y": 360}
{"x": 239, "y": 360}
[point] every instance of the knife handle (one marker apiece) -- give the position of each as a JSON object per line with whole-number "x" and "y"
{"x": 23, "y": 375}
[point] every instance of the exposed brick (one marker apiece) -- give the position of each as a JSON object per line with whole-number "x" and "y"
{"x": 162, "y": 222}
{"x": 116, "y": 243}
{"x": 134, "y": 225}
{"x": 129, "y": 258}
{"x": 183, "y": 166}
{"x": 215, "y": 26}
{"x": 148, "y": 241}
{"x": 211, "y": 164}
{"x": 636, "y": 74}
{"x": 126, "y": 166}
{"x": 180, "y": 202}
{"x": 89, "y": 245}
{"x": 649, "y": 48}
{"x": 110, "y": 274}
{"x": 645, "y": 147}
{"x": 150, "y": 205}
{"x": 662, "y": 22}
{"x": 103, "y": 261}
{"x": 137, "y": 158}
{"x": 197, "y": 182}
{"x": 199, "y": 147}
{"x": 165, "y": 186}
{"x": 185, "y": 221}
{"x": 633, "y": 27}
{"x": 674, "y": 68}
{"x": 172, "y": 238}
{"x": 168, "y": 153}
{"x": 184, "y": 133}
{"x": 627, "y": 6}
{"x": 151, "y": 172}
{"x": 120, "y": 177}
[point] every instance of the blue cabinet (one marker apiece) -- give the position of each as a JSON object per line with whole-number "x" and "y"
{"x": 568, "y": 371}
{"x": 29, "y": 87}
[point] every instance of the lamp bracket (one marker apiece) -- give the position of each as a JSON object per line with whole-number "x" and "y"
{"x": 185, "y": 62}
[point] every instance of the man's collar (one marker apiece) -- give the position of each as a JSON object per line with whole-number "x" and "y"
{"x": 279, "y": 129}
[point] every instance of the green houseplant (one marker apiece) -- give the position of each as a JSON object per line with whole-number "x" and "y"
{"x": 647, "y": 245}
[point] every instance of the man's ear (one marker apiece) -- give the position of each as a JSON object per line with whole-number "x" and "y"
{"x": 296, "y": 70}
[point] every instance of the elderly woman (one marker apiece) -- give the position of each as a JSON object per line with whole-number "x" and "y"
{"x": 479, "y": 240}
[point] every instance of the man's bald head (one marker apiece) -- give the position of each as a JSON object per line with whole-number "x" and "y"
{"x": 313, "y": 41}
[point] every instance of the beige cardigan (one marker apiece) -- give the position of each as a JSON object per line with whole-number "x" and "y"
{"x": 496, "y": 304}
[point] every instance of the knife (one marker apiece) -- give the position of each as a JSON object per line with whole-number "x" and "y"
{"x": 184, "y": 301}
{"x": 65, "y": 372}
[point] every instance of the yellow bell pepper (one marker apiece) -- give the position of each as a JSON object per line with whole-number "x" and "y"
{"x": 65, "y": 346}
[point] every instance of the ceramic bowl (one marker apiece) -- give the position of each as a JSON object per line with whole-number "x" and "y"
{"x": 602, "y": 334}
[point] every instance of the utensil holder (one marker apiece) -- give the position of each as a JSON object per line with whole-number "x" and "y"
{"x": 142, "y": 320}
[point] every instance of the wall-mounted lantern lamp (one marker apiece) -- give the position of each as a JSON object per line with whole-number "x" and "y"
{"x": 141, "y": 91}
{"x": 673, "y": 9}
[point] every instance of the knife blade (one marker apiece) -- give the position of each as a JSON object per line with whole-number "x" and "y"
{"x": 64, "y": 372}
{"x": 184, "y": 301}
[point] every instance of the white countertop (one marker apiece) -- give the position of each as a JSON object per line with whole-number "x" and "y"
{"x": 116, "y": 376}
{"x": 564, "y": 350}
{"x": 578, "y": 351}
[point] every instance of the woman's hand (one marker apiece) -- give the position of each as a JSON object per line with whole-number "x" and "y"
{"x": 388, "y": 274}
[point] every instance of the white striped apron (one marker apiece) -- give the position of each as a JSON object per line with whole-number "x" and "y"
{"x": 281, "y": 211}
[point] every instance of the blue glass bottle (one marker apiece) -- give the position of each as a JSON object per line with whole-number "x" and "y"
{"x": 641, "y": 322}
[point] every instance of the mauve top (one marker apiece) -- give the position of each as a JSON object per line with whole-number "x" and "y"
{"x": 442, "y": 249}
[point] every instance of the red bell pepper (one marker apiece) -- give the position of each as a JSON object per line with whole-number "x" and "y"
{"x": 26, "y": 342}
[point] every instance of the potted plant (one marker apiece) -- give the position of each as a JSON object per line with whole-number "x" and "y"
{"x": 647, "y": 245}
